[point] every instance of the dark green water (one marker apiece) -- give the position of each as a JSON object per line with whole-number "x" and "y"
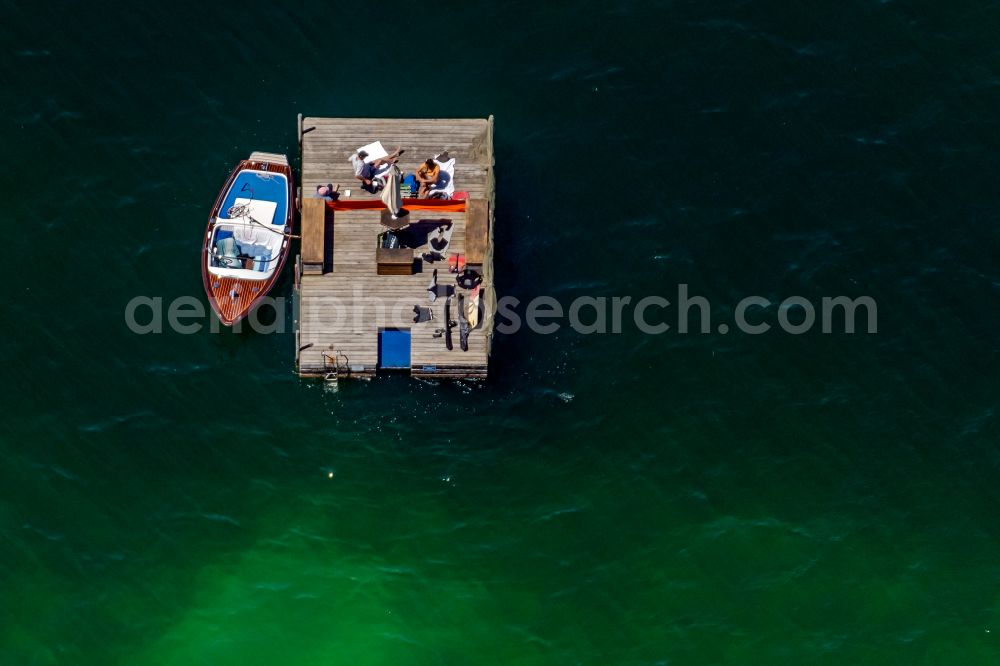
{"x": 604, "y": 499}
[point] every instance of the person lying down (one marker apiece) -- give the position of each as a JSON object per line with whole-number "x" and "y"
{"x": 372, "y": 174}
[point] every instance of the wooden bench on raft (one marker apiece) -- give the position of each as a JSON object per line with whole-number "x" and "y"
{"x": 313, "y": 251}
{"x": 477, "y": 232}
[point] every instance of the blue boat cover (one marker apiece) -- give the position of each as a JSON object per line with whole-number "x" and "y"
{"x": 259, "y": 187}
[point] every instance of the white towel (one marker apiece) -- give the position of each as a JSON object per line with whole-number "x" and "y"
{"x": 445, "y": 186}
{"x": 375, "y": 151}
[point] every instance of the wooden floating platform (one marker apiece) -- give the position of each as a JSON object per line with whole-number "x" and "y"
{"x": 348, "y": 290}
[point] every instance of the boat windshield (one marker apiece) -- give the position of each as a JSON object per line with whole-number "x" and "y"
{"x": 249, "y": 250}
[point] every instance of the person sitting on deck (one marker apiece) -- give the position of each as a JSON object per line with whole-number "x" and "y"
{"x": 427, "y": 176}
{"x": 371, "y": 174}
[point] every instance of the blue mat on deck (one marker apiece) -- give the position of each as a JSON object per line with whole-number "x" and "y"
{"x": 394, "y": 349}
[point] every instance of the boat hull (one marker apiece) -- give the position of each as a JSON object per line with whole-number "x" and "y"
{"x": 232, "y": 298}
